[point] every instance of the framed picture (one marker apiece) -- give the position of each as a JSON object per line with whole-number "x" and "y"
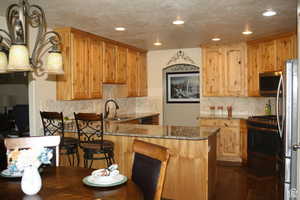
{"x": 183, "y": 87}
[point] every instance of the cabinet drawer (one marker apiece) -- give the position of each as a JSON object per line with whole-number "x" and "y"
{"x": 220, "y": 122}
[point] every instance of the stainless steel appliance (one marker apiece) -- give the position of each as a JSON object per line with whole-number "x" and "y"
{"x": 268, "y": 83}
{"x": 272, "y": 140}
{"x": 288, "y": 125}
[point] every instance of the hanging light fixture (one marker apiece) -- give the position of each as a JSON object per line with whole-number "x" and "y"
{"x": 14, "y": 53}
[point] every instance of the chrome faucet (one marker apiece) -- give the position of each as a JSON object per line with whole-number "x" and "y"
{"x": 106, "y": 108}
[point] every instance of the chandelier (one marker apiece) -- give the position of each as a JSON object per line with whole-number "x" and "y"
{"x": 14, "y": 47}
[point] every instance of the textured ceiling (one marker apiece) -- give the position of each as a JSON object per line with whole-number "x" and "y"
{"x": 150, "y": 20}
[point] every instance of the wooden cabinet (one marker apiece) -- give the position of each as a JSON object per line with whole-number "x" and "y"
{"x": 115, "y": 64}
{"x": 90, "y": 60}
{"x": 132, "y": 69}
{"x": 142, "y": 75}
{"x": 253, "y": 55}
{"x": 121, "y": 69}
{"x": 267, "y": 55}
{"x": 136, "y": 74}
{"x": 213, "y": 64}
{"x": 224, "y": 70}
{"x": 230, "y": 142}
{"x": 235, "y": 70}
{"x": 96, "y": 58}
{"x": 82, "y": 54}
{"x": 285, "y": 49}
{"x": 110, "y": 63}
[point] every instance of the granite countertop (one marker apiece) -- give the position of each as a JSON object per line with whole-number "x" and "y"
{"x": 131, "y": 116}
{"x": 153, "y": 131}
{"x": 207, "y": 116}
{"x": 156, "y": 131}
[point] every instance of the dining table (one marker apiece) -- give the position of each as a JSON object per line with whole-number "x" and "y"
{"x": 66, "y": 183}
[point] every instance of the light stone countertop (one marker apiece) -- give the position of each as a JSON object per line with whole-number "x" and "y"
{"x": 131, "y": 116}
{"x": 207, "y": 116}
{"x": 162, "y": 132}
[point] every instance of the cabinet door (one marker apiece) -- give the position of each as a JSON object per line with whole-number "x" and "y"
{"x": 229, "y": 144}
{"x": 142, "y": 75}
{"x": 121, "y": 71}
{"x": 132, "y": 68}
{"x": 235, "y": 71}
{"x": 253, "y": 69}
{"x": 80, "y": 68}
{"x": 213, "y": 62}
{"x": 63, "y": 82}
{"x": 285, "y": 49}
{"x": 96, "y": 64}
{"x": 109, "y": 66}
{"x": 268, "y": 57}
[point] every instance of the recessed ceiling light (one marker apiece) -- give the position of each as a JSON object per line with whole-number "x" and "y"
{"x": 157, "y": 43}
{"x": 120, "y": 29}
{"x": 247, "y": 32}
{"x": 216, "y": 39}
{"x": 178, "y": 22}
{"x": 269, "y": 13}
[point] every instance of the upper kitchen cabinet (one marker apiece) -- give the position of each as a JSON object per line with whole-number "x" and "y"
{"x": 224, "y": 70}
{"x": 235, "y": 70}
{"x": 132, "y": 73}
{"x": 267, "y": 55}
{"x": 253, "y": 62}
{"x": 213, "y": 65}
{"x": 136, "y": 74}
{"x": 82, "y": 55}
{"x": 91, "y": 60}
{"x": 110, "y": 63}
{"x": 142, "y": 75}
{"x": 115, "y": 64}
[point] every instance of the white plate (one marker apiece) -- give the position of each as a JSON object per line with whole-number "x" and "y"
{"x": 6, "y": 173}
{"x": 106, "y": 182}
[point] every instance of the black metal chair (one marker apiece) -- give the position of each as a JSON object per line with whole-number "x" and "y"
{"x": 53, "y": 124}
{"x": 90, "y": 138}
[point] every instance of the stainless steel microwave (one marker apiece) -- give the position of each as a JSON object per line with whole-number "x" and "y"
{"x": 268, "y": 83}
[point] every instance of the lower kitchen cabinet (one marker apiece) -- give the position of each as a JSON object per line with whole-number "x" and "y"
{"x": 231, "y": 140}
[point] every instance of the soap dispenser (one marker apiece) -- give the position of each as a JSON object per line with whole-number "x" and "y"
{"x": 268, "y": 109}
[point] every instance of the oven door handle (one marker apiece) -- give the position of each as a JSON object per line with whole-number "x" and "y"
{"x": 262, "y": 129}
{"x": 277, "y": 106}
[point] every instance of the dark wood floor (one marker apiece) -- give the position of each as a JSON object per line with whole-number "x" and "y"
{"x": 237, "y": 183}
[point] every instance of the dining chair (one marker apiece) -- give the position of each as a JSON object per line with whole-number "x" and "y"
{"x": 90, "y": 138}
{"x": 53, "y": 124}
{"x": 27, "y": 142}
{"x": 149, "y": 168}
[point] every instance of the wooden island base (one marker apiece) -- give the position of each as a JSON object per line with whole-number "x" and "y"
{"x": 191, "y": 171}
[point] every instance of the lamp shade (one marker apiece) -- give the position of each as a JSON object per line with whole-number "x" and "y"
{"x": 54, "y": 64}
{"x": 18, "y": 58}
{"x": 3, "y": 62}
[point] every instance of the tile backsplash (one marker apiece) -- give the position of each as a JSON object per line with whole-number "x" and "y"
{"x": 241, "y": 105}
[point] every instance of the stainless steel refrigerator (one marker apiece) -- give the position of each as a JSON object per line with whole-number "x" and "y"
{"x": 287, "y": 118}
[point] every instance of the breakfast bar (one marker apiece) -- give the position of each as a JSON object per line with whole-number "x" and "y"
{"x": 191, "y": 171}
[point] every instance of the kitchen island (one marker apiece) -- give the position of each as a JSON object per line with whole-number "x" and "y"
{"x": 191, "y": 171}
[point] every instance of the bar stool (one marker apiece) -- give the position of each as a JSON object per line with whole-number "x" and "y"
{"x": 90, "y": 139}
{"x": 53, "y": 124}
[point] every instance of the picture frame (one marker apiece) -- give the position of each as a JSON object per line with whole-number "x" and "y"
{"x": 182, "y": 87}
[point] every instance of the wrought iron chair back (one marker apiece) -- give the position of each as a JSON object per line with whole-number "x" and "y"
{"x": 89, "y": 125}
{"x": 53, "y": 123}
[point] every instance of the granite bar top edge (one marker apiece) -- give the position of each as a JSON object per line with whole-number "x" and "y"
{"x": 234, "y": 117}
{"x": 132, "y": 116}
{"x": 162, "y": 136}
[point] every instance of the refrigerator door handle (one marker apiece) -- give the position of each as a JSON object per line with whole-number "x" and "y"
{"x": 277, "y": 106}
{"x": 296, "y": 147}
